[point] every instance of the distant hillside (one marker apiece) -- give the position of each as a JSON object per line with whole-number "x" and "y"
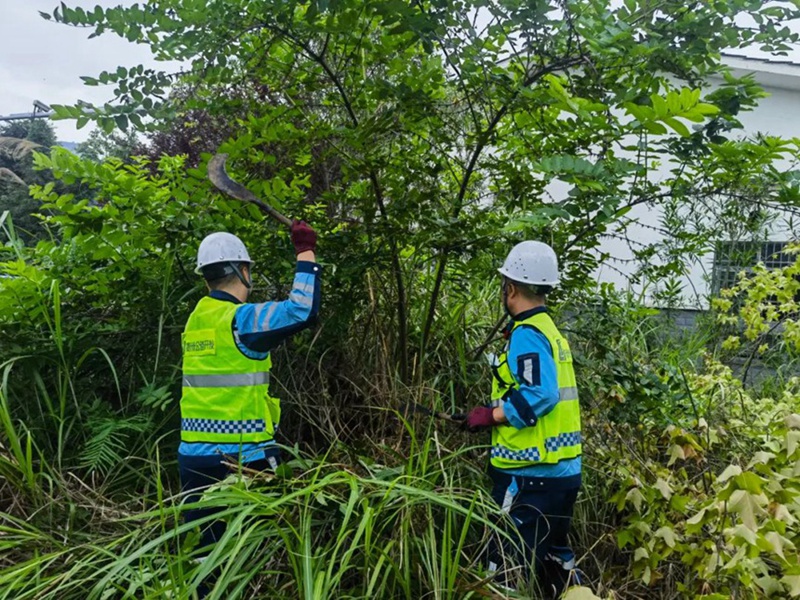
{"x": 71, "y": 146}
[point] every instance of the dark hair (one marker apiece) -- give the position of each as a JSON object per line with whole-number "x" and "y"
{"x": 221, "y": 275}
{"x": 532, "y": 291}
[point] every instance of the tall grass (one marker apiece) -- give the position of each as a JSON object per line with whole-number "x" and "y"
{"x": 377, "y": 502}
{"x": 394, "y": 505}
{"x": 329, "y": 530}
{"x": 91, "y": 511}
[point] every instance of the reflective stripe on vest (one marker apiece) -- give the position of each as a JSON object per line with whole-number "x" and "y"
{"x": 568, "y": 393}
{"x": 233, "y": 380}
{"x": 225, "y": 397}
{"x": 555, "y": 436}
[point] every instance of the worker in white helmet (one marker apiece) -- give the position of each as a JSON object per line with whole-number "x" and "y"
{"x": 536, "y": 429}
{"x": 227, "y": 412}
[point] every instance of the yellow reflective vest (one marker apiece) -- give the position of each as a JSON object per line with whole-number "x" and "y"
{"x": 555, "y": 436}
{"x": 225, "y": 396}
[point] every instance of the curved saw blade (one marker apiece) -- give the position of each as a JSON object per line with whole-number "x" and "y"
{"x": 219, "y": 177}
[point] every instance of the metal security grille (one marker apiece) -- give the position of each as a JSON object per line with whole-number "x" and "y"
{"x": 730, "y": 258}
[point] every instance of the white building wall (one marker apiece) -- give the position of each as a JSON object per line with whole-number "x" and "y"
{"x": 778, "y": 114}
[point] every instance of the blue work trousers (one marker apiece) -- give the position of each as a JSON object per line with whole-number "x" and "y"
{"x": 541, "y": 509}
{"x": 198, "y": 473}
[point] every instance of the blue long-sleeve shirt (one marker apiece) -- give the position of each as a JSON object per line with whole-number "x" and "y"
{"x": 258, "y": 329}
{"x": 530, "y": 359}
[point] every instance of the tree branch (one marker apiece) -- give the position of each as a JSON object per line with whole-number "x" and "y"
{"x": 482, "y": 142}
{"x": 401, "y": 305}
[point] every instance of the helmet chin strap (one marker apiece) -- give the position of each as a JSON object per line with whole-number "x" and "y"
{"x": 505, "y": 297}
{"x": 248, "y": 283}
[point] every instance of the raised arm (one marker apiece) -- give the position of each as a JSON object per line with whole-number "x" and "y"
{"x": 261, "y": 327}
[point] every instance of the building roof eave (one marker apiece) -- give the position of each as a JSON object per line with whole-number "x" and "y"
{"x": 769, "y": 72}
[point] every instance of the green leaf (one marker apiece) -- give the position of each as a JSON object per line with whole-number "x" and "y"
{"x": 668, "y": 535}
{"x": 760, "y": 458}
{"x": 659, "y": 106}
{"x": 674, "y": 103}
{"x": 707, "y": 110}
{"x": 777, "y": 543}
{"x": 625, "y": 537}
{"x": 782, "y": 513}
{"x": 106, "y": 123}
{"x": 662, "y": 486}
{"x": 793, "y": 583}
{"x": 676, "y": 453}
{"x": 729, "y": 472}
{"x": 748, "y": 506}
{"x": 697, "y": 518}
{"x": 654, "y": 128}
{"x": 749, "y": 481}
{"x": 792, "y": 442}
{"x": 60, "y": 111}
{"x": 679, "y": 127}
{"x": 639, "y": 112}
{"x": 635, "y": 497}
{"x": 580, "y": 593}
{"x": 769, "y": 585}
{"x": 746, "y": 534}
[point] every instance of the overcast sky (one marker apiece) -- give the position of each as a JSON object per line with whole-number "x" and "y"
{"x": 42, "y": 60}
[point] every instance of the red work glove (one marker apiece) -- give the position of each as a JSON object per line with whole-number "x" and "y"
{"x": 303, "y": 237}
{"x": 480, "y": 418}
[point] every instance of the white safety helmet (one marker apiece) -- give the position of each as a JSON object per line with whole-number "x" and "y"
{"x": 221, "y": 247}
{"x": 534, "y": 263}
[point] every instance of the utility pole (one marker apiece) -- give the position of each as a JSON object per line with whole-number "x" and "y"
{"x": 40, "y": 111}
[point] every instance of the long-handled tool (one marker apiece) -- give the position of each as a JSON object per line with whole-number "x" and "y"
{"x": 222, "y": 181}
{"x": 219, "y": 177}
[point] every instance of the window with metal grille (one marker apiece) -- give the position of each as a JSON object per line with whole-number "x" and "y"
{"x": 730, "y": 258}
